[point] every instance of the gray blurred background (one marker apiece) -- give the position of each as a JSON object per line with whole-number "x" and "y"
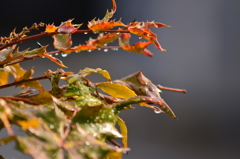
{"x": 203, "y": 57}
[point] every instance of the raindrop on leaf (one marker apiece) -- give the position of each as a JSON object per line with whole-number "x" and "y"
{"x": 64, "y": 55}
{"x": 105, "y": 50}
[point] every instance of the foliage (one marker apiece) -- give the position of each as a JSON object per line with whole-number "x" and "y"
{"x": 75, "y": 120}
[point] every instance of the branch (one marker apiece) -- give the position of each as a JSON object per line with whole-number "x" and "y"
{"x": 3, "y": 46}
{"x": 27, "y": 80}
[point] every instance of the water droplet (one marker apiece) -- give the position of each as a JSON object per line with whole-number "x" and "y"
{"x": 157, "y": 111}
{"x": 105, "y": 50}
{"x": 64, "y": 55}
{"x": 94, "y": 32}
{"x": 51, "y": 126}
{"x": 87, "y": 143}
{"x": 85, "y": 32}
{"x": 115, "y": 49}
{"x": 76, "y": 52}
{"x": 118, "y": 33}
{"x": 140, "y": 37}
{"x": 105, "y": 44}
{"x": 43, "y": 57}
{"x": 56, "y": 54}
{"x": 89, "y": 50}
{"x": 99, "y": 49}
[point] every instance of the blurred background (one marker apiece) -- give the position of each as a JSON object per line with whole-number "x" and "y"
{"x": 203, "y": 58}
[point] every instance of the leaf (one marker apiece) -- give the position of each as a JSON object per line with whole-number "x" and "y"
{"x": 142, "y": 86}
{"x": 78, "y": 48}
{"x": 67, "y": 27}
{"x": 124, "y": 131}
{"x": 6, "y": 140}
{"x": 54, "y": 59}
{"x": 116, "y": 90}
{"x": 114, "y": 155}
{"x": 100, "y": 26}
{"x": 34, "y": 52}
{"x": 103, "y": 39}
{"x": 124, "y": 39}
{"x": 139, "y": 47}
{"x": 146, "y": 34}
{"x": 3, "y": 77}
{"x": 27, "y": 75}
{"x": 50, "y": 28}
{"x": 87, "y": 71}
{"x": 43, "y": 97}
{"x": 31, "y": 123}
{"x": 17, "y": 71}
{"x": 154, "y": 24}
{"x": 105, "y": 24}
{"x": 62, "y": 41}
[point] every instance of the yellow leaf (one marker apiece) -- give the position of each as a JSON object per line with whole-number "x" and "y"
{"x": 113, "y": 155}
{"x": 17, "y": 71}
{"x": 116, "y": 90}
{"x": 31, "y": 123}
{"x": 124, "y": 131}
{"x": 43, "y": 97}
{"x": 3, "y": 77}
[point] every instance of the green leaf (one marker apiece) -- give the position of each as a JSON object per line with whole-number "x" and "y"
{"x": 6, "y": 140}
{"x": 116, "y": 90}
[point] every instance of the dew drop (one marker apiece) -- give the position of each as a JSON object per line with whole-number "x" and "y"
{"x": 118, "y": 33}
{"x": 105, "y": 44}
{"x": 64, "y": 55}
{"x": 140, "y": 37}
{"x": 157, "y": 111}
{"x": 85, "y": 32}
{"x": 115, "y": 49}
{"x": 43, "y": 57}
{"x": 89, "y": 50}
{"x": 56, "y": 54}
{"x": 105, "y": 50}
{"x": 99, "y": 49}
{"x": 51, "y": 126}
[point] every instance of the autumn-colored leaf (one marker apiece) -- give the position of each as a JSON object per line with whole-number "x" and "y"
{"x": 154, "y": 24}
{"x": 68, "y": 27}
{"x": 51, "y": 28}
{"x": 62, "y": 41}
{"x": 87, "y": 71}
{"x": 103, "y": 39}
{"x": 17, "y": 71}
{"x": 54, "y": 59}
{"x": 79, "y": 48}
{"x": 113, "y": 155}
{"x": 124, "y": 131}
{"x": 105, "y": 24}
{"x": 31, "y": 123}
{"x": 43, "y": 97}
{"x": 100, "y": 26}
{"x": 26, "y": 75}
{"x": 116, "y": 90}
{"x": 124, "y": 39}
{"x": 146, "y": 34}
{"x": 3, "y": 77}
{"x": 27, "y": 53}
{"x": 139, "y": 47}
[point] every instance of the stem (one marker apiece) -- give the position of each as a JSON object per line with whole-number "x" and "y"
{"x": 172, "y": 89}
{"x": 27, "y": 80}
{"x": 3, "y": 46}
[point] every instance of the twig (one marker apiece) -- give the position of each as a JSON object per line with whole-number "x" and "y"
{"x": 18, "y": 82}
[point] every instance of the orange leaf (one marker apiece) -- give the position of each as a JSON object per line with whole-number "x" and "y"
{"x": 79, "y": 48}
{"x": 139, "y": 47}
{"x": 50, "y": 28}
{"x": 103, "y": 39}
{"x": 146, "y": 34}
{"x": 54, "y": 59}
{"x": 99, "y": 26}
